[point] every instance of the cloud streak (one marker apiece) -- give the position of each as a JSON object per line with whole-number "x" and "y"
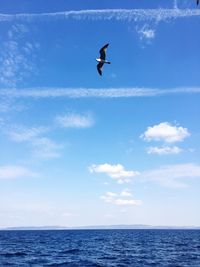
{"x": 15, "y": 171}
{"x": 22, "y": 134}
{"x": 95, "y": 92}
{"x": 164, "y": 150}
{"x": 174, "y": 176}
{"x": 108, "y": 14}
{"x": 74, "y": 120}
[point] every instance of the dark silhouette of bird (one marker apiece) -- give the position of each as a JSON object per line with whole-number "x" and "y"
{"x": 102, "y": 59}
{"x": 197, "y": 2}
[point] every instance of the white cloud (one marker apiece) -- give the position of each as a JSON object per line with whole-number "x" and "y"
{"x": 73, "y": 120}
{"x": 14, "y": 171}
{"x": 94, "y": 92}
{"x": 164, "y": 150}
{"x": 165, "y": 132}
{"x": 173, "y": 175}
{"x": 108, "y": 14}
{"x": 120, "y": 199}
{"x": 116, "y": 172}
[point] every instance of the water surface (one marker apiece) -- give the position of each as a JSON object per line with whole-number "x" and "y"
{"x": 115, "y": 248}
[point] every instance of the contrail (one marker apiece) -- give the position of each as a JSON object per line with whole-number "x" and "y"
{"x": 43, "y": 93}
{"x": 107, "y": 14}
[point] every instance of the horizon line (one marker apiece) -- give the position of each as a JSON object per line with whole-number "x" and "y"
{"x": 109, "y": 226}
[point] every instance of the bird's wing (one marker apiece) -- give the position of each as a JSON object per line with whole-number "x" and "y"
{"x": 102, "y": 52}
{"x": 99, "y": 67}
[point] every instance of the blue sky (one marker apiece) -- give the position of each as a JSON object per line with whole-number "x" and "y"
{"x": 80, "y": 149}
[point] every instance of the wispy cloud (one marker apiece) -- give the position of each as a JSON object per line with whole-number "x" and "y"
{"x": 74, "y": 120}
{"x": 126, "y": 193}
{"x": 9, "y": 104}
{"x": 116, "y": 172}
{"x": 22, "y": 134}
{"x": 165, "y": 132}
{"x": 174, "y": 176}
{"x": 146, "y": 32}
{"x": 108, "y": 14}
{"x": 43, "y": 147}
{"x": 164, "y": 150}
{"x": 15, "y": 171}
{"x": 94, "y": 92}
{"x": 16, "y": 56}
{"x": 121, "y": 199}
{"x": 46, "y": 148}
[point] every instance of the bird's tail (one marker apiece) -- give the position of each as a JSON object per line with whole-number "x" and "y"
{"x": 108, "y": 62}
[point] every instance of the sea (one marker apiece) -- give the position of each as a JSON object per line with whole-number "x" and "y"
{"x": 102, "y": 248}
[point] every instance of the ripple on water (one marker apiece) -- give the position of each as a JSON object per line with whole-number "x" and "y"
{"x": 100, "y": 248}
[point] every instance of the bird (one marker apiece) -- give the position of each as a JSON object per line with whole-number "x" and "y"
{"x": 197, "y": 2}
{"x": 102, "y": 59}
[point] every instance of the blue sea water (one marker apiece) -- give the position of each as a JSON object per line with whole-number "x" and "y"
{"x": 117, "y": 248}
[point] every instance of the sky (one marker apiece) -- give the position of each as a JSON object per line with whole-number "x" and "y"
{"x": 78, "y": 149}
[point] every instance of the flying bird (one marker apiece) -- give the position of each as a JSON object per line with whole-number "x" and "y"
{"x": 102, "y": 59}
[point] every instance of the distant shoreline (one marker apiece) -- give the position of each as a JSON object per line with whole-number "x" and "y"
{"x": 103, "y": 227}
